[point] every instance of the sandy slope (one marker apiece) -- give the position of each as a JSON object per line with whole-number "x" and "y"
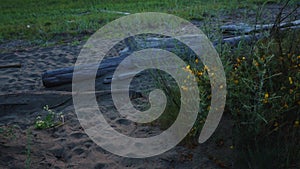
{"x": 22, "y": 97}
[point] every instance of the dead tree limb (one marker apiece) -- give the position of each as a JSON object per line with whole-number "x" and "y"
{"x": 16, "y": 65}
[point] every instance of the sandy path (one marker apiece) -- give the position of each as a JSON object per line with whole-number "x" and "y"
{"x": 68, "y": 146}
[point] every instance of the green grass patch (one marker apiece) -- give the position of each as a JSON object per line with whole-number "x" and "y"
{"x": 42, "y": 21}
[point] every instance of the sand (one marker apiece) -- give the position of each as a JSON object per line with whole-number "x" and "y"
{"x": 22, "y": 97}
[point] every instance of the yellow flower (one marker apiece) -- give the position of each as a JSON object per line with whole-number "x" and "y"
{"x": 231, "y": 147}
{"x": 184, "y": 88}
{"x": 199, "y": 73}
{"x": 255, "y": 63}
{"x": 296, "y": 123}
{"x": 197, "y": 60}
{"x": 206, "y": 68}
{"x": 298, "y": 57}
{"x": 188, "y": 68}
{"x": 243, "y": 58}
{"x": 265, "y": 101}
{"x": 208, "y": 108}
{"x": 291, "y": 80}
{"x": 266, "y": 95}
{"x": 236, "y": 81}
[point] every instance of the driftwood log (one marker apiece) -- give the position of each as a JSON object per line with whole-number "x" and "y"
{"x": 57, "y": 77}
{"x": 15, "y": 65}
{"x": 63, "y": 76}
{"x": 243, "y": 28}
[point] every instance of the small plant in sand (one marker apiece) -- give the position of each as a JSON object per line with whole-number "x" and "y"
{"x": 8, "y": 132}
{"x": 28, "y": 149}
{"x": 52, "y": 119}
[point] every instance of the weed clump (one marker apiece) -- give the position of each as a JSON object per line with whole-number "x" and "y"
{"x": 51, "y": 119}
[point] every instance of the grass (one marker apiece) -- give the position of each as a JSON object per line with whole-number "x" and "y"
{"x": 41, "y": 22}
{"x": 8, "y": 132}
{"x": 28, "y": 149}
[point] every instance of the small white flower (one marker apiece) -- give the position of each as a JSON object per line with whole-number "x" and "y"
{"x": 28, "y": 26}
{"x": 62, "y": 119}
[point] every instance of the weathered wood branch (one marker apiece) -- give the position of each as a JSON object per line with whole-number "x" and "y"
{"x": 246, "y": 29}
{"x": 16, "y": 65}
{"x": 57, "y": 77}
{"x": 63, "y": 76}
{"x": 114, "y": 12}
{"x": 67, "y": 93}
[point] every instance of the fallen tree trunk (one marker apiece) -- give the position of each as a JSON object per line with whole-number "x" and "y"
{"x": 62, "y": 76}
{"x": 243, "y": 28}
{"x": 17, "y": 65}
{"x": 57, "y": 77}
{"x": 233, "y": 41}
{"x": 52, "y": 78}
